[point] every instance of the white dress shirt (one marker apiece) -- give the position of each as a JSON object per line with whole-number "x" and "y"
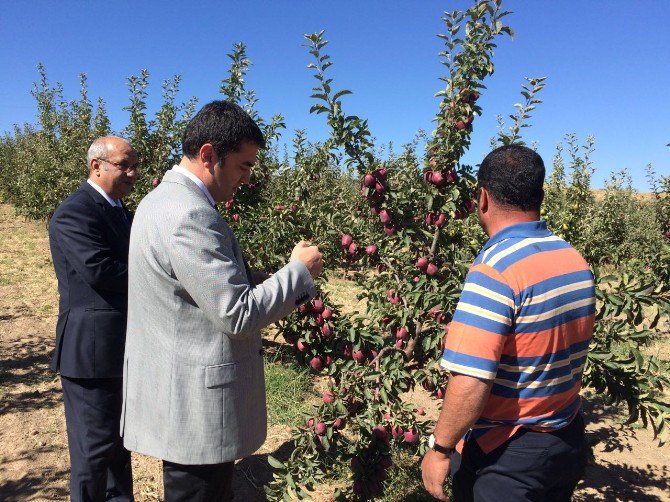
{"x": 111, "y": 201}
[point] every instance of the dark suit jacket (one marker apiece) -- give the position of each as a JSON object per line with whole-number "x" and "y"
{"x": 89, "y": 246}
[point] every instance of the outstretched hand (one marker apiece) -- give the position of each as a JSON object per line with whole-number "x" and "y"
{"x": 310, "y": 256}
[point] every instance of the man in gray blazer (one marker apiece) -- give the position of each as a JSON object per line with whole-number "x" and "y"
{"x": 194, "y": 393}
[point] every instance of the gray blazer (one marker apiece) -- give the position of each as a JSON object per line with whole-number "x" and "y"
{"x": 194, "y": 391}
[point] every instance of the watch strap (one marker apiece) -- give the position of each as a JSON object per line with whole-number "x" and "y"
{"x": 442, "y": 449}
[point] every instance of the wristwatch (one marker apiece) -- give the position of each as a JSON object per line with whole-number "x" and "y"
{"x": 432, "y": 444}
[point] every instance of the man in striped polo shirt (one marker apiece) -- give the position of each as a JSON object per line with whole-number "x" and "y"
{"x": 516, "y": 351}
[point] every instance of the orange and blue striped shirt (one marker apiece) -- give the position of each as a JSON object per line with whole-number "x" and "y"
{"x": 524, "y": 320}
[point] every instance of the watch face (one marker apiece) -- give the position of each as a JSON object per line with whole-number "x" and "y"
{"x": 431, "y": 441}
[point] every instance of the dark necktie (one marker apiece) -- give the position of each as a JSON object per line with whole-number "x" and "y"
{"x": 121, "y": 218}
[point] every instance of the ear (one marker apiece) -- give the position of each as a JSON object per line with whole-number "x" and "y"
{"x": 207, "y": 155}
{"x": 484, "y": 199}
{"x": 94, "y": 167}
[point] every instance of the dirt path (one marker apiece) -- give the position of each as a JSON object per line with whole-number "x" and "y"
{"x": 33, "y": 448}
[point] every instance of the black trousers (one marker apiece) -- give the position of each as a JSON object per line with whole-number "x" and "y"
{"x": 99, "y": 464}
{"x": 198, "y": 483}
{"x": 530, "y": 466}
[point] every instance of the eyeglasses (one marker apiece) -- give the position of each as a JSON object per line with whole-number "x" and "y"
{"x": 122, "y": 165}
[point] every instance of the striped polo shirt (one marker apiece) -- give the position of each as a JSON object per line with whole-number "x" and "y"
{"x": 524, "y": 320}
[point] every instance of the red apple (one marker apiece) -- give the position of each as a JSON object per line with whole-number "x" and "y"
{"x": 401, "y": 333}
{"x": 451, "y": 176}
{"x": 229, "y": 204}
{"x": 460, "y": 125}
{"x": 327, "y": 313}
{"x": 392, "y": 296}
{"x": 399, "y": 344}
{"x": 431, "y": 269}
{"x": 428, "y": 176}
{"x": 368, "y": 180}
{"x": 317, "y": 306}
{"x": 328, "y": 397}
{"x": 236, "y": 217}
{"x": 302, "y": 346}
{"x": 155, "y": 182}
{"x": 370, "y": 249}
{"x": 440, "y": 393}
{"x": 338, "y": 424}
{"x": 358, "y": 356}
{"x": 379, "y": 432}
{"x": 347, "y": 240}
{"x": 321, "y": 428}
{"x": 397, "y": 432}
{"x": 437, "y": 179}
{"x": 411, "y": 436}
{"x": 422, "y": 263}
{"x": 384, "y": 216}
{"x": 440, "y": 220}
{"x": 421, "y": 411}
{"x": 326, "y": 330}
{"x": 389, "y": 229}
{"x": 316, "y": 363}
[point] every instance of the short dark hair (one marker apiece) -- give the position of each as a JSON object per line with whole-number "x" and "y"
{"x": 222, "y": 124}
{"x": 514, "y": 176}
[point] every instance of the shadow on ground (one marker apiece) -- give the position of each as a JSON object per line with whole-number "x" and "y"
{"x": 44, "y": 482}
{"x": 253, "y": 473}
{"x": 617, "y": 481}
{"x": 26, "y": 364}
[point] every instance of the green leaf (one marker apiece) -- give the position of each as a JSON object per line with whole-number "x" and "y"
{"x": 275, "y": 463}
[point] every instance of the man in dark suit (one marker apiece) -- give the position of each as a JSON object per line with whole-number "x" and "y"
{"x": 89, "y": 235}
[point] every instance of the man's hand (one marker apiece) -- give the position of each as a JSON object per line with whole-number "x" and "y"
{"x": 434, "y": 471}
{"x": 310, "y": 256}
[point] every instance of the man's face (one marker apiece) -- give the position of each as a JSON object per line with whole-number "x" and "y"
{"x": 116, "y": 171}
{"x": 234, "y": 170}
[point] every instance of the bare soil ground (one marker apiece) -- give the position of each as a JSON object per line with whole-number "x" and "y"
{"x": 34, "y": 463}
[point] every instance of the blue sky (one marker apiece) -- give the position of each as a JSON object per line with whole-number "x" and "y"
{"x": 605, "y": 63}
